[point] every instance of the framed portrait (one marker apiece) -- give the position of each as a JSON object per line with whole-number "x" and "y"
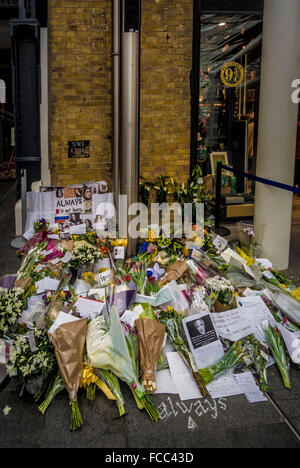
{"x": 218, "y": 157}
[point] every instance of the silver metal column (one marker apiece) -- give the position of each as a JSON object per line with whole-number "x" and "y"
{"x": 130, "y": 108}
{"x": 116, "y": 71}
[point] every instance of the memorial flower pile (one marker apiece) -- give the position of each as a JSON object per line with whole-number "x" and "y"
{"x": 82, "y": 317}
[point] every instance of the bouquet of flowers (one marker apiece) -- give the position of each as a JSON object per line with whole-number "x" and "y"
{"x": 221, "y": 290}
{"x": 236, "y": 355}
{"x": 259, "y": 353}
{"x": 12, "y": 304}
{"x": 32, "y": 359}
{"x": 151, "y": 335}
{"x": 278, "y": 350}
{"x": 248, "y": 240}
{"x": 108, "y": 350}
{"x": 41, "y": 225}
{"x": 69, "y": 340}
{"x": 84, "y": 254}
{"x": 200, "y": 300}
{"x": 173, "y": 322}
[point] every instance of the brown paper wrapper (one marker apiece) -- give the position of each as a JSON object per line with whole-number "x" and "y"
{"x": 151, "y": 337}
{"x": 23, "y": 283}
{"x": 219, "y": 307}
{"x": 55, "y": 268}
{"x": 174, "y": 272}
{"x": 66, "y": 244}
{"x": 68, "y": 341}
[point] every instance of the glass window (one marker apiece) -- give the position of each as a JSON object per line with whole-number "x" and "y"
{"x": 230, "y": 63}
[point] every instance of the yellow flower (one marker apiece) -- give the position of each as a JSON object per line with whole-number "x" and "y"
{"x": 296, "y": 294}
{"x": 119, "y": 242}
{"x": 89, "y": 277}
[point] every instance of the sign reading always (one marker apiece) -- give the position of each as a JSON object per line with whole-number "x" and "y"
{"x": 79, "y": 149}
{"x": 232, "y": 74}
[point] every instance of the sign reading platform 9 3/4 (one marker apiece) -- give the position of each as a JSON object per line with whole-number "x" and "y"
{"x": 232, "y": 74}
{"x": 79, "y": 149}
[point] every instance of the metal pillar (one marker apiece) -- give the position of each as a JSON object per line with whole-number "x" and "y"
{"x": 116, "y": 70}
{"x": 130, "y": 92}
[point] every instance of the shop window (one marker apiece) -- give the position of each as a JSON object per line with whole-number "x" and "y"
{"x": 230, "y": 65}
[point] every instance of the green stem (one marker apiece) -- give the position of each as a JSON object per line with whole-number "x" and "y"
{"x": 76, "y": 418}
{"x": 56, "y": 388}
{"x": 91, "y": 392}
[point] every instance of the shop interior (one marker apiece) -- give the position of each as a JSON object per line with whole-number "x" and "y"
{"x": 228, "y": 115}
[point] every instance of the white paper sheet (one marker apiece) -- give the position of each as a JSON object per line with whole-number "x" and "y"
{"x": 250, "y": 388}
{"x": 104, "y": 278}
{"x": 98, "y": 293}
{"x": 47, "y": 284}
{"x": 256, "y": 312}
{"x": 224, "y": 386}
{"x": 264, "y": 263}
{"x": 89, "y": 308}
{"x": 183, "y": 379}
{"x": 81, "y": 286}
{"x": 233, "y": 324}
{"x": 80, "y": 229}
{"x": 67, "y": 257}
{"x": 203, "y": 339}
{"x": 29, "y": 234}
{"x": 220, "y": 243}
{"x": 229, "y": 253}
{"x": 128, "y": 318}
{"x": 164, "y": 383}
{"x": 61, "y": 319}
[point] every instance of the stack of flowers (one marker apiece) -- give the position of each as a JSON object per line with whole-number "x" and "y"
{"x": 125, "y": 308}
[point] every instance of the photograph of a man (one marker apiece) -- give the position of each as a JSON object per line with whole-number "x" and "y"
{"x": 200, "y": 326}
{"x": 201, "y": 331}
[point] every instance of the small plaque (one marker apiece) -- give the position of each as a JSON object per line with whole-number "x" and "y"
{"x": 79, "y": 149}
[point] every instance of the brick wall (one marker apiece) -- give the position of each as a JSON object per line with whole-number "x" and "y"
{"x": 80, "y": 88}
{"x": 166, "y": 62}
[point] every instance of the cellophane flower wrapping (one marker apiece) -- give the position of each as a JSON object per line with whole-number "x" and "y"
{"x": 108, "y": 350}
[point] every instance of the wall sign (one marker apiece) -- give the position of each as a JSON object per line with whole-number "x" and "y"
{"x": 232, "y": 74}
{"x": 79, "y": 149}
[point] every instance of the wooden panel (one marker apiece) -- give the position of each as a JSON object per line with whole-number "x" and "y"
{"x": 240, "y": 211}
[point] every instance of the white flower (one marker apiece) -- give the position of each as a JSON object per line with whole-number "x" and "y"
{"x": 6, "y": 410}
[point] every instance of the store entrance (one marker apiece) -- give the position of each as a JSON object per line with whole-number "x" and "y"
{"x": 7, "y": 163}
{"x": 230, "y": 65}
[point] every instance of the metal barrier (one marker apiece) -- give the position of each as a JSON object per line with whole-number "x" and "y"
{"x": 261, "y": 180}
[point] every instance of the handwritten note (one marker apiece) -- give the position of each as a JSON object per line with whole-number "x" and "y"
{"x": 233, "y": 325}
{"x": 250, "y": 388}
{"x": 88, "y": 308}
{"x": 256, "y": 312}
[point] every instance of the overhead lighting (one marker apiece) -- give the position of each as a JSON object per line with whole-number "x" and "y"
{"x": 222, "y": 24}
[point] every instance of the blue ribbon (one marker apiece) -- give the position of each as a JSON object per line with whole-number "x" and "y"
{"x": 263, "y": 181}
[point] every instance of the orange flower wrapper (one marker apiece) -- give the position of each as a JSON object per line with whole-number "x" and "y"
{"x": 151, "y": 335}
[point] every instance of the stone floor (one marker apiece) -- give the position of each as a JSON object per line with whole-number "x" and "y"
{"x": 227, "y": 422}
